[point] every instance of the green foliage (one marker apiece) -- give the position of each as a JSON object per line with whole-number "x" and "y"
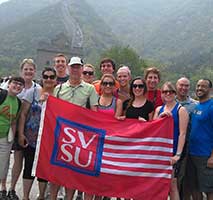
{"x": 126, "y": 56}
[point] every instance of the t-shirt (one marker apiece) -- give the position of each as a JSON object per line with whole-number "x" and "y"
{"x": 8, "y": 113}
{"x": 78, "y": 95}
{"x": 97, "y": 85}
{"x": 155, "y": 97}
{"x": 201, "y": 135}
{"x": 143, "y": 111}
{"x": 62, "y": 79}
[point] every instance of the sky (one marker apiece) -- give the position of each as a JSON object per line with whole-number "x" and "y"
{"x": 1, "y": 1}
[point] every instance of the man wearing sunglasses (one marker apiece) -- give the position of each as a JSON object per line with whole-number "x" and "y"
{"x": 78, "y": 92}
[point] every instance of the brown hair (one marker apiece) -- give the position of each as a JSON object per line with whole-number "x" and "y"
{"x": 60, "y": 55}
{"x": 153, "y": 70}
{"x": 170, "y": 85}
{"x": 90, "y": 66}
{"x": 105, "y": 60}
{"x": 107, "y": 76}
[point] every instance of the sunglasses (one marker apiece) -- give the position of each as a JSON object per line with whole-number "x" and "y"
{"x": 140, "y": 86}
{"x": 46, "y": 76}
{"x": 108, "y": 83}
{"x": 90, "y": 73}
{"x": 168, "y": 91}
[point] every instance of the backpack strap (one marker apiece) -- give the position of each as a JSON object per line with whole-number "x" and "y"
{"x": 3, "y": 95}
{"x": 19, "y": 104}
{"x": 59, "y": 90}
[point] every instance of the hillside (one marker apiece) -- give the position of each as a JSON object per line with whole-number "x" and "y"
{"x": 21, "y": 38}
{"x": 177, "y": 32}
{"x": 16, "y": 10}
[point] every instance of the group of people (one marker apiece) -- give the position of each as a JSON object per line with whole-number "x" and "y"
{"x": 117, "y": 94}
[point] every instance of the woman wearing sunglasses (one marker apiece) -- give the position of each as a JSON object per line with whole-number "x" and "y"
{"x": 107, "y": 102}
{"x": 180, "y": 116}
{"x": 138, "y": 107}
{"x": 88, "y": 73}
{"x": 29, "y": 125}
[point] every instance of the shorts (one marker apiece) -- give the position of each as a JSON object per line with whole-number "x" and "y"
{"x": 200, "y": 177}
{"x": 5, "y": 148}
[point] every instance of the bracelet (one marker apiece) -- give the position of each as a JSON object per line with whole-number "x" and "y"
{"x": 178, "y": 154}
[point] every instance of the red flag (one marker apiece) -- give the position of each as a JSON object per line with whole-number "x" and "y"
{"x": 98, "y": 154}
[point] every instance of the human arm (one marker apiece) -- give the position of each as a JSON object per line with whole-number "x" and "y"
{"x": 210, "y": 161}
{"x": 94, "y": 108}
{"x": 156, "y": 112}
{"x": 183, "y": 123}
{"x": 119, "y": 109}
{"x": 22, "y": 119}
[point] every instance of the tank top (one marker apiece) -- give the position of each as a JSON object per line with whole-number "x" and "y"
{"x": 176, "y": 133}
{"x": 110, "y": 109}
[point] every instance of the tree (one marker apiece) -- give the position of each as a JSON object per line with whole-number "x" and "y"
{"x": 126, "y": 56}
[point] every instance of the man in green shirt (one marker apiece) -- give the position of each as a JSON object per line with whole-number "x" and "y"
{"x": 9, "y": 108}
{"x": 78, "y": 92}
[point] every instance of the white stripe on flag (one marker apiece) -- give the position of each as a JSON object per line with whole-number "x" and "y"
{"x": 130, "y": 173}
{"x": 137, "y": 156}
{"x": 137, "y": 165}
{"x": 138, "y": 147}
{"x": 148, "y": 139}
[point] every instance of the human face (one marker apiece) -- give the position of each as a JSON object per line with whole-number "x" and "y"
{"x": 15, "y": 87}
{"x": 60, "y": 65}
{"x": 49, "y": 79}
{"x": 203, "y": 89}
{"x": 183, "y": 86}
{"x": 75, "y": 71}
{"x": 88, "y": 74}
{"x": 28, "y": 72}
{"x": 167, "y": 94}
{"x": 138, "y": 88}
{"x": 123, "y": 78}
{"x": 107, "y": 68}
{"x": 152, "y": 81}
{"x": 107, "y": 85}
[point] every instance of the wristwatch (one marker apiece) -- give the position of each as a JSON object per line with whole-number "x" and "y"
{"x": 178, "y": 154}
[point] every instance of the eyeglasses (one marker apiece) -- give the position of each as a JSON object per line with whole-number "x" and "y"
{"x": 140, "y": 86}
{"x": 46, "y": 76}
{"x": 17, "y": 83}
{"x": 168, "y": 92}
{"x": 90, "y": 73}
{"x": 108, "y": 83}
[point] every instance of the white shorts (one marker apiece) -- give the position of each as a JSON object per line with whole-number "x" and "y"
{"x": 5, "y": 148}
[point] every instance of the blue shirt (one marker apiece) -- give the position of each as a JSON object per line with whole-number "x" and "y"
{"x": 201, "y": 135}
{"x": 176, "y": 133}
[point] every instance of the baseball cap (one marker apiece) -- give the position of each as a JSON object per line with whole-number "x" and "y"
{"x": 75, "y": 60}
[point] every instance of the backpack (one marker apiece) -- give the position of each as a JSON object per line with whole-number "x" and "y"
{"x": 3, "y": 95}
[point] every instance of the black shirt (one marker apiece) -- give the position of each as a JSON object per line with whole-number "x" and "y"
{"x": 143, "y": 111}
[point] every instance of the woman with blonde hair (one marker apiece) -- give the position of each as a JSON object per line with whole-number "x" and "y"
{"x": 181, "y": 118}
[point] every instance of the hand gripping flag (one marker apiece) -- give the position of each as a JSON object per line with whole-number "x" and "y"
{"x": 97, "y": 154}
